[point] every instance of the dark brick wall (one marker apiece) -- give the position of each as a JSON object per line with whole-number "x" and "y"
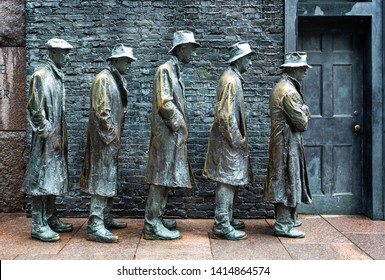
{"x": 93, "y": 27}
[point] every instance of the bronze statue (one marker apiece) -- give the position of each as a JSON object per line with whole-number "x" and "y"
{"x": 168, "y": 166}
{"x": 287, "y": 182}
{"x": 99, "y": 175}
{"x": 47, "y": 171}
{"x": 227, "y": 160}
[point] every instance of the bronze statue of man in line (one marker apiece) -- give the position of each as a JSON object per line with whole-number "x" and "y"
{"x": 99, "y": 176}
{"x": 287, "y": 183}
{"x": 227, "y": 159}
{"x": 168, "y": 166}
{"x": 47, "y": 171}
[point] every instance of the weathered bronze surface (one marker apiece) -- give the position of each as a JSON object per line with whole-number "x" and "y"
{"x": 99, "y": 175}
{"x": 227, "y": 160}
{"x": 168, "y": 165}
{"x": 287, "y": 182}
{"x": 47, "y": 171}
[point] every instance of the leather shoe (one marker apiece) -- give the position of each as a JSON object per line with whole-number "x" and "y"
{"x": 297, "y": 223}
{"x": 160, "y": 232}
{"x": 44, "y": 233}
{"x": 58, "y": 225}
{"x": 293, "y": 233}
{"x": 233, "y": 234}
{"x": 170, "y": 224}
{"x": 102, "y": 235}
{"x": 237, "y": 224}
{"x": 114, "y": 224}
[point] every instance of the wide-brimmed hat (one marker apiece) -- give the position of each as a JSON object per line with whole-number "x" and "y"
{"x": 122, "y": 51}
{"x": 295, "y": 59}
{"x": 56, "y": 43}
{"x": 239, "y": 50}
{"x": 183, "y": 37}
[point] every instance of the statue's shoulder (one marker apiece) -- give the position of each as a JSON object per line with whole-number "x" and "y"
{"x": 41, "y": 72}
{"x": 103, "y": 75}
{"x": 229, "y": 76}
{"x": 165, "y": 66}
{"x": 285, "y": 83}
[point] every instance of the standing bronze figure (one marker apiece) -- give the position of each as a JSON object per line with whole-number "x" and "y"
{"x": 168, "y": 166}
{"x": 47, "y": 171}
{"x": 227, "y": 160}
{"x": 99, "y": 175}
{"x": 287, "y": 183}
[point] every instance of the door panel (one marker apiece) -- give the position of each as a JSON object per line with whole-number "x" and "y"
{"x": 333, "y": 91}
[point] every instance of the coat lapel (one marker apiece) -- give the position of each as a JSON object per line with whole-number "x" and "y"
{"x": 178, "y": 94}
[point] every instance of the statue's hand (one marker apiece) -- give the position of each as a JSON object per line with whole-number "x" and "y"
{"x": 305, "y": 108}
{"x": 182, "y": 135}
{"x": 56, "y": 143}
{"x": 241, "y": 143}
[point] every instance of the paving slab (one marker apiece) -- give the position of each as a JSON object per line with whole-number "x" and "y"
{"x": 318, "y": 231}
{"x": 261, "y": 244}
{"x": 81, "y": 248}
{"x": 8, "y": 256}
{"x": 355, "y": 223}
{"x": 373, "y": 244}
{"x": 194, "y": 243}
{"x": 15, "y": 237}
{"x": 328, "y": 237}
{"x": 333, "y": 251}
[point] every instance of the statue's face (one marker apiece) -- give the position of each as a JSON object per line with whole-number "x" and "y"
{"x": 122, "y": 64}
{"x": 299, "y": 73}
{"x": 245, "y": 63}
{"x": 186, "y": 52}
{"x": 60, "y": 57}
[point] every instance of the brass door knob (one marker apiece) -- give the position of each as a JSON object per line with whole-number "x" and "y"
{"x": 357, "y": 128}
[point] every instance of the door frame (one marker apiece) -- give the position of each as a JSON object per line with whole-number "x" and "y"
{"x": 374, "y": 195}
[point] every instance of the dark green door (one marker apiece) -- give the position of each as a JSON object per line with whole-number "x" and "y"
{"x": 334, "y": 92}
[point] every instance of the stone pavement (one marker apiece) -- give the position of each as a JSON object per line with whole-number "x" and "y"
{"x": 328, "y": 237}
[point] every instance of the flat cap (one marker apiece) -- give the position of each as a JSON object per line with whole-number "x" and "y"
{"x": 56, "y": 43}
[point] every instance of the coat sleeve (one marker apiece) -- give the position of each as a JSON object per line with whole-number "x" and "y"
{"x": 36, "y": 109}
{"x": 297, "y": 113}
{"x": 166, "y": 106}
{"x": 101, "y": 106}
{"x": 226, "y": 114}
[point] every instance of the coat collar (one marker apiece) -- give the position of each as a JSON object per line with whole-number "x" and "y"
{"x": 294, "y": 82}
{"x": 121, "y": 82}
{"x": 235, "y": 70}
{"x": 56, "y": 70}
{"x": 176, "y": 63}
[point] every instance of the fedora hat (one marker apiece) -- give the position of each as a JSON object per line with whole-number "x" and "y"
{"x": 56, "y": 43}
{"x": 239, "y": 50}
{"x": 295, "y": 59}
{"x": 183, "y": 37}
{"x": 122, "y": 51}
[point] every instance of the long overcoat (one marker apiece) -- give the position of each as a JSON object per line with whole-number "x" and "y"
{"x": 227, "y": 158}
{"x": 99, "y": 175}
{"x": 287, "y": 179}
{"x": 167, "y": 163}
{"x": 47, "y": 170}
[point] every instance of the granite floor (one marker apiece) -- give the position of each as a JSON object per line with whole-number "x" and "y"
{"x": 327, "y": 238}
